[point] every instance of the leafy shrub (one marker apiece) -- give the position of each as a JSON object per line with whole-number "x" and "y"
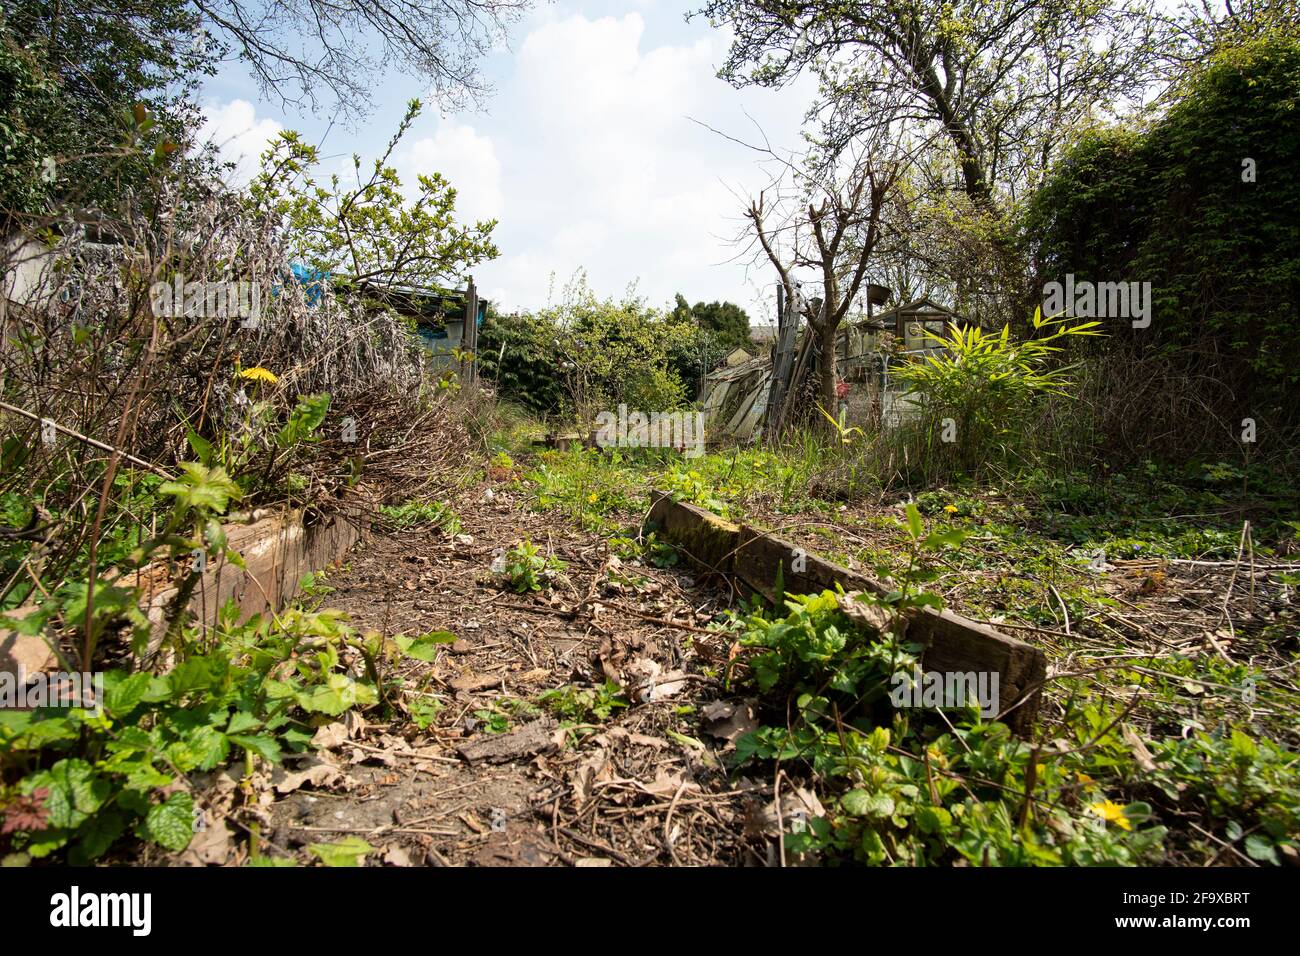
{"x": 981, "y": 389}
{"x": 1170, "y": 205}
{"x": 585, "y": 355}
{"x": 524, "y": 568}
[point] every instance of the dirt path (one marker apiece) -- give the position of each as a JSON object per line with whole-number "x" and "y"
{"x": 495, "y": 779}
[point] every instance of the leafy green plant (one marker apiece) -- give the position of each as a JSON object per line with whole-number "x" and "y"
{"x": 254, "y": 694}
{"x": 422, "y": 513}
{"x": 1249, "y": 787}
{"x": 524, "y": 568}
{"x": 82, "y": 779}
{"x": 815, "y": 648}
{"x": 899, "y": 793}
{"x": 423, "y": 711}
{"x": 584, "y": 704}
{"x": 844, "y": 431}
{"x": 494, "y": 721}
{"x": 686, "y": 484}
{"x": 976, "y": 394}
{"x": 256, "y": 432}
{"x": 500, "y": 717}
{"x": 312, "y": 587}
{"x": 660, "y": 553}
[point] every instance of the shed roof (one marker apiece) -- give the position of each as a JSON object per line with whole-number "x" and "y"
{"x": 917, "y": 307}
{"x": 428, "y": 305}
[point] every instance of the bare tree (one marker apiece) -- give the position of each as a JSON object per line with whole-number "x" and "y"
{"x": 828, "y": 214}
{"x": 1002, "y": 80}
{"x": 338, "y": 46}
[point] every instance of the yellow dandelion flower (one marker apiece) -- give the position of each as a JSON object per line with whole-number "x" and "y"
{"x": 259, "y": 374}
{"x": 951, "y": 509}
{"x": 591, "y": 497}
{"x": 1111, "y": 812}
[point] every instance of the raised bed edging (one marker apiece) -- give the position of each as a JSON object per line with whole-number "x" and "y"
{"x": 278, "y": 550}
{"x": 952, "y": 643}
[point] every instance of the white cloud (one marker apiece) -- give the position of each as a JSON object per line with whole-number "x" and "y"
{"x": 602, "y": 168}
{"x": 587, "y": 154}
{"x": 467, "y": 160}
{"x": 238, "y": 134}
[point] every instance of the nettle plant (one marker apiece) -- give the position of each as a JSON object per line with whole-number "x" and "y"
{"x": 76, "y": 780}
{"x": 914, "y": 793}
{"x": 524, "y": 568}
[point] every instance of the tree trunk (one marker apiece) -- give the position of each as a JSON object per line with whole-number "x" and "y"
{"x": 826, "y": 362}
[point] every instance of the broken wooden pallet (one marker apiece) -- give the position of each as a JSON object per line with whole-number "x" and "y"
{"x": 753, "y": 557}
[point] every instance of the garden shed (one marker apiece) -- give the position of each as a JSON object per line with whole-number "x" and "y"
{"x": 900, "y": 329}
{"x": 442, "y": 316}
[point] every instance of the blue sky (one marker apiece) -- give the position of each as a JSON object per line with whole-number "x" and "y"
{"x": 586, "y": 152}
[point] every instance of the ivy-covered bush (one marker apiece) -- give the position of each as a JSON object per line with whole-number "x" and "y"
{"x": 1203, "y": 205}
{"x": 517, "y": 352}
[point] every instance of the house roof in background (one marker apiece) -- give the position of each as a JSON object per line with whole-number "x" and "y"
{"x": 916, "y": 308}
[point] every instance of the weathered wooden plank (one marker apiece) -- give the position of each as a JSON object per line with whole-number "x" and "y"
{"x": 708, "y": 540}
{"x": 950, "y": 642}
{"x": 278, "y": 550}
{"x": 759, "y": 554}
{"x": 955, "y": 644}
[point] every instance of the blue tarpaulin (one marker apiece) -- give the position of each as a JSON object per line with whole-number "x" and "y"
{"x": 310, "y": 280}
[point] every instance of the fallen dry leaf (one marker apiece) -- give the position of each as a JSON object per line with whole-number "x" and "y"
{"x": 317, "y": 772}
{"x": 666, "y": 784}
{"x": 469, "y": 683}
{"x": 397, "y": 856}
{"x": 1140, "y": 752}
{"x": 593, "y": 768}
{"x": 330, "y": 736}
{"x": 728, "y": 720}
{"x": 210, "y": 846}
